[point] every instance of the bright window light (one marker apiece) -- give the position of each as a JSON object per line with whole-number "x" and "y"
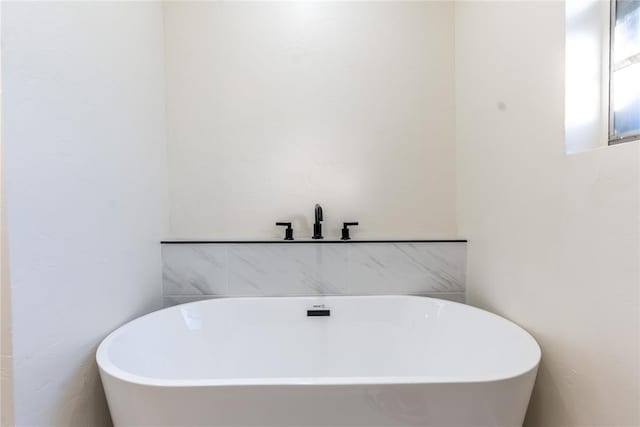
{"x": 624, "y": 106}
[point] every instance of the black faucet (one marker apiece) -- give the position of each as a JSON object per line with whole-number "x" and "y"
{"x": 288, "y": 233}
{"x": 317, "y": 227}
{"x": 345, "y": 230}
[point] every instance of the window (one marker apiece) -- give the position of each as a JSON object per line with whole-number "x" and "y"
{"x": 624, "y": 59}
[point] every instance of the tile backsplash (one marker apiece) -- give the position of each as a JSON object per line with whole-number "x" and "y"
{"x": 195, "y": 271}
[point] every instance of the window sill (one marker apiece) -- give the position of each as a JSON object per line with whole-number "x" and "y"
{"x": 630, "y": 138}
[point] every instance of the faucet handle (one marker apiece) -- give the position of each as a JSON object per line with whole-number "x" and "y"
{"x": 345, "y": 230}
{"x": 288, "y": 233}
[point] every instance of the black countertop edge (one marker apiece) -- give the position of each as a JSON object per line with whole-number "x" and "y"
{"x": 199, "y": 242}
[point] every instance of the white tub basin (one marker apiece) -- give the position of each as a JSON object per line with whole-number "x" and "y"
{"x": 374, "y": 361}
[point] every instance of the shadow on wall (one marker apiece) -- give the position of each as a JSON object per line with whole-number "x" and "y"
{"x": 83, "y": 403}
{"x": 546, "y": 398}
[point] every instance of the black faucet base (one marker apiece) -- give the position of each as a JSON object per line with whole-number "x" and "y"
{"x": 317, "y": 231}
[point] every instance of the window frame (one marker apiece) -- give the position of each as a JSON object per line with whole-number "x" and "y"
{"x": 632, "y": 136}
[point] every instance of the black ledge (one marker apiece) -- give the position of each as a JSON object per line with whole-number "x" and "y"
{"x": 197, "y": 242}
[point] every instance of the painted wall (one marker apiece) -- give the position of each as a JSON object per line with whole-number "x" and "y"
{"x": 553, "y": 238}
{"x": 273, "y": 107}
{"x": 6, "y": 360}
{"x": 85, "y": 169}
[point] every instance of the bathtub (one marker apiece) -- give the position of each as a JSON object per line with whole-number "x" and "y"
{"x": 319, "y": 361}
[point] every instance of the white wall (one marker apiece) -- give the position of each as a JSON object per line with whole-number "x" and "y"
{"x": 553, "y": 238}
{"x": 273, "y": 107}
{"x": 85, "y": 182}
{"x": 6, "y": 360}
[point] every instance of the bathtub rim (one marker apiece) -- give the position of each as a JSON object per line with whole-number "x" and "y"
{"x": 107, "y": 367}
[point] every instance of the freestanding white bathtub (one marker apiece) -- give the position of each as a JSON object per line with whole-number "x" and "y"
{"x": 373, "y": 361}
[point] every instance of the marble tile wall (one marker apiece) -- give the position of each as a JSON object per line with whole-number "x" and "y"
{"x": 195, "y": 271}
